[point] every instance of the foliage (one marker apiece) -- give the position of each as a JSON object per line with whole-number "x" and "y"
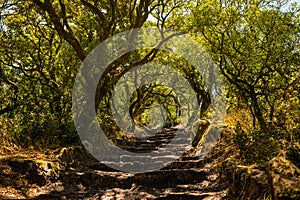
{"x": 255, "y": 45}
{"x": 42, "y": 46}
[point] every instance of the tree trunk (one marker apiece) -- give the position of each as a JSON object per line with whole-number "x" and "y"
{"x": 257, "y": 111}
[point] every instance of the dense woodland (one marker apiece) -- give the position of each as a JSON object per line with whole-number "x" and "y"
{"x": 255, "y": 45}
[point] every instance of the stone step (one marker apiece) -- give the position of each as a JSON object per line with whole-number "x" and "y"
{"x": 101, "y": 179}
{"x": 152, "y": 164}
{"x": 185, "y": 164}
{"x": 171, "y": 177}
{"x": 171, "y": 148}
{"x": 183, "y": 196}
{"x": 130, "y": 158}
{"x": 164, "y": 152}
{"x": 142, "y": 166}
{"x": 142, "y": 149}
{"x": 187, "y": 158}
{"x": 167, "y": 159}
{"x": 192, "y": 196}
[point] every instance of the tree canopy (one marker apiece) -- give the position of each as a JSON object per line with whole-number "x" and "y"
{"x": 255, "y": 45}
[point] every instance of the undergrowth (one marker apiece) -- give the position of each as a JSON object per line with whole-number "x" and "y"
{"x": 257, "y": 147}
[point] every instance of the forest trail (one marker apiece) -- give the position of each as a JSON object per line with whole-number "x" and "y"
{"x": 190, "y": 177}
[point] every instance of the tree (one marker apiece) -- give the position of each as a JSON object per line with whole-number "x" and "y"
{"x": 254, "y": 44}
{"x": 37, "y": 71}
{"x": 44, "y": 43}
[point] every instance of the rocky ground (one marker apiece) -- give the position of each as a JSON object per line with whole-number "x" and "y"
{"x": 71, "y": 173}
{"x": 188, "y": 179}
